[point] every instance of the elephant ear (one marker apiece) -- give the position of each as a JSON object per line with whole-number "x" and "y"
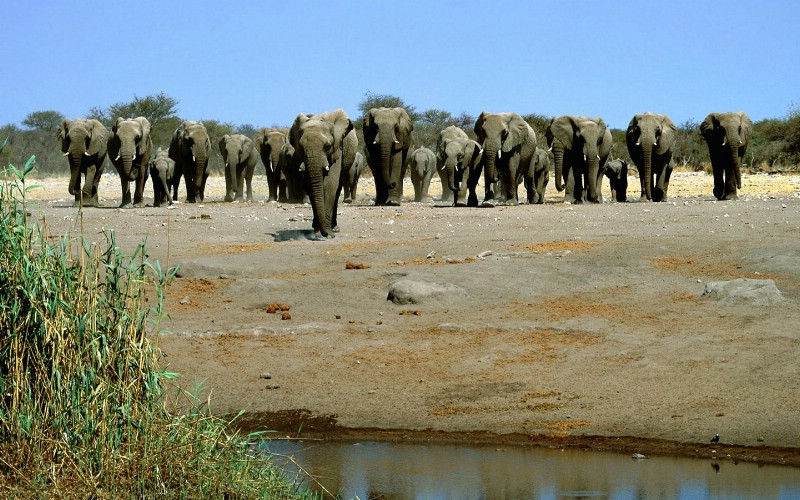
{"x": 473, "y": 153}
{"x": 144, "y": 125}
{"x": 117, "y": 122}
{"x": 259, "y": 137}
{"x": 479, "y": 126}
{"x": 518, "y": 130}
{"x": 708, "y": 126}
{"x": 294, "y": 132}
{"x": 669, "y": 134}
{"x": 222, "y": 149}
{"x": 99, "y": 137}
{"x": 405, "y": 126}
{"x": 602, "y": 128}
{"x": 340, "y": 126}
{"x": 63, "y": 131}
{"x": 563, "y": 129}
{"x": 370, "y": 130}
{"x": 747, "y": 126}
{"x": 247, "y": 147}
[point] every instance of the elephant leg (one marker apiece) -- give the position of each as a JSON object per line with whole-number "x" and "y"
{"x": 126, "y": 193}
{"x": 730, "y": 184}
{"x": 577, "y": 187}
{"x": 203, "y": 186}
{"x": 569, "y": 181}
{"x": 239, "y": 183}
{"x": 138, "y": 193}
{"x": 719, "y": 182}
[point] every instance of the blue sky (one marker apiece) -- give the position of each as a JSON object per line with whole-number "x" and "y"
{"x": 263, "y": 62}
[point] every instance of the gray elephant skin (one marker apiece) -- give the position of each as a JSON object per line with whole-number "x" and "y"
{"x": 326, "y": 144}
{"x": 161, "y": 170}
{"x": 350, "y": 181}
{"x": 727, "y": 135}
{"x": 240, "y": 157}
{"x": 580, "y": 146}
{"x": 294, "y": 171}
{"x": 85, "y": 144}
{"x": 456, "y": 155}
{"x": 190, "y": 148}
{"x": 616, "y": 172}
{"x": 650, "y": 138}
{"x": 129, "y": 148}
{"x": 269, "y": 142}
{"x": 537, "y": 176}
{"x": 387, "y": 136}
{"x": 509, "y": 144}
{"x": 422, "y": 165}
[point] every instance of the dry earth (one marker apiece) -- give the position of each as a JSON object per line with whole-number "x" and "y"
{"x": 580, "y": 326}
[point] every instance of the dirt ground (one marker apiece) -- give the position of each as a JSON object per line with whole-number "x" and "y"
{"x": 581, "y": 325}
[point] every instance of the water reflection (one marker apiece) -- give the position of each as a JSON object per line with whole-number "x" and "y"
{"x": 385, "y": 470}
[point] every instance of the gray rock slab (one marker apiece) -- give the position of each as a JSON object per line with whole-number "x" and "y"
{"x": 421, "y": 292}
{"x": 755, "y": 292}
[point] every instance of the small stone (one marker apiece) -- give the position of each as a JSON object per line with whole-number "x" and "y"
{"x": 273, "y": 386}
{"x": 431, "y": 255}
{"x": 338, "y": 316}
{"x": 371, "y": 391}
{"x": 224, "y": 276}
{"x": 371, "y": 329}
{"x": 286, "y": 316}
{"x": 760, "y": 439}
{"x": 638, "y": 456}
{"x": 185, "y": 300}
{"x": 265, "y": 375}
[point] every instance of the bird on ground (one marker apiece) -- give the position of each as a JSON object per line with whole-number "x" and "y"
{"x": 715, "y": 439}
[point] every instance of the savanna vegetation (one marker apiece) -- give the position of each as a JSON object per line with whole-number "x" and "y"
{"x": 774, "y": 146}
{"x": 85, "y": 409}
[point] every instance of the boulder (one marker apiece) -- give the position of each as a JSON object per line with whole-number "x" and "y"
{"x": 420, "y": 292}
{"x": 755, "y": 292}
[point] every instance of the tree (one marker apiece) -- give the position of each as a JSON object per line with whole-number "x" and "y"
{"x": 373, "y": 100}
{"x": 155, "y": 108}
{"x": 690, "y": 150}
{"x": 47, "y": 121}
{"x": 247, "y": 129}
{"x": 216, "y": 130}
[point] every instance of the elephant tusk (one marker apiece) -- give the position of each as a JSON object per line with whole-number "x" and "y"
{"x": 655, "y": 143}
{"x": 117, "y": 158}
{"x": 66, "y": 154}
{"x": 442, "y": 167}
{"x": 193, "y": 159}
{"x": 598, "y": 157}
{"x": 396, "y": 141}
{"x": 584, "y": 157}
{"x": 86, "y": 153}
{"x": 499, "y": 153}
{"x": 134, "y": 157}
{"x": 724, "y": 142}
{"x": 375, "y": 141}
{"x": 638, "y": 143}
{"x": 328, "y": 168}
{"x": 270, "y": 166}
{"x": 550, "y": 148}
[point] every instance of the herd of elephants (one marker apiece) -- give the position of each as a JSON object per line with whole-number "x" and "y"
{"x": 318, "y": 158}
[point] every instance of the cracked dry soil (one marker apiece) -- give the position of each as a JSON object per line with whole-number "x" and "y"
{"x": 582, "y": 325}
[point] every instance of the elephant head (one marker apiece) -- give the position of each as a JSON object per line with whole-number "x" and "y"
{"x": 236, "y": 150}
{"x": 650, "y": 138}
{"x": 499, "y": 133}
{"x": 191, "y": 148}
{"x": 318, "y": 141}
{"x": 587, "y": 142}
{"x": 387, "y": 135}
{"x": 85, "y": 143}
{"x": 130, "y": 141}
{"x": 456, "y": 152}
{"x": 727, "y": 135}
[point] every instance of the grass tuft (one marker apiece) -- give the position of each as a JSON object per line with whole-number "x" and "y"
{"x": 84, "y": 408}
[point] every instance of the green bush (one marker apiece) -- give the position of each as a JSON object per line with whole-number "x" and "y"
{"x": 84, "y": 410}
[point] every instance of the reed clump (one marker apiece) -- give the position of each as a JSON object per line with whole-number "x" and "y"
{"x": 84, "y": 408}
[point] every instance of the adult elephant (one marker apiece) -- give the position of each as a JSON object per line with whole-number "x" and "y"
{"x": 240, "y": 157}
{"x": 422, "y": 163}
{"x": 161, "y": 169}
{"x": 537, "y": 177}
{"x": 85, "y": 144}
{"x": 651, "y": 138}
{"x": 616, "y": 172}
{"x": 727, "y": 135}
{"x": 130, "y": 147}
{"x": 457, "y": 154}
{"x": 509, "y": 144}
{"x": 580, "y": 146}
{"x": 190, "y": 149}
{"x": 327, "y": 144}
{"x": 387, "y": 135}
{"x": 269, "y": 142}
{"x": 351, "y": 180}
{"x": 294, "y": 171}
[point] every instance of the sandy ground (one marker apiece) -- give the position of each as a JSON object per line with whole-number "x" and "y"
{"x": 581, "y": 325}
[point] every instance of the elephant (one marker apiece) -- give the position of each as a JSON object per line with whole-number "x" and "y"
{"x": 85, "y": 144}
{"x": 351, "y": 181}
{"x": 161, "y": 169}
{"x": 129, "y": 148}
{"x": 509, "y": 144}
{"x": 327, "y": 144}
{"x": 268, "y": 143}
{"x": 651, "y": 138}
{"x": 190, "y": 148}
{"x": 240, "y": 156}
{"x": 294, "y": 172}
{"x": 387, "y": 135}
{"x": 727, "y": 135}
{"x": 616, "y": 172}
{"x": 422, "y": 163}
{"x": 537, "y": 177}
{"x": 580, "y": 146}
{"x": 456, "y": 154}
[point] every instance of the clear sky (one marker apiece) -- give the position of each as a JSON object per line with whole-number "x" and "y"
{"x": 263, "y": 62}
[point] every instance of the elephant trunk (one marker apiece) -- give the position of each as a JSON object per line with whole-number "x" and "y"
{"x": 593, "y": 168}
{"x": 736, "y": 162}
{"x": 386, "y": 154}
{"x": 647, "y": 168}
{"x": 490, "y": 151}
{"x": 75, "y": 159}
{"x": 199, "y": 170}
{"x": 450, "y": 165}
{"x": 558, "y": 159}
{"x": 315, "y": 165}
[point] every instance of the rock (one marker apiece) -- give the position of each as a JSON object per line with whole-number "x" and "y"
{"x": 419, "y": 292}
{"x": 185, "y": 300}
{"x": 638, "y": 456}
{"x": 265, "y": 376}
{"x": 755, "y": 292}
{"x": 273, "y": 386}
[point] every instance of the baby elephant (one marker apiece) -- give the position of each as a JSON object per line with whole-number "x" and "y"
{"x": 617, "y": 173}
{"x": 240, "y": 156}
{"x": 423, "y": 164}
{"x": 161, "y": 169}
{"x": 350, "y": 181}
